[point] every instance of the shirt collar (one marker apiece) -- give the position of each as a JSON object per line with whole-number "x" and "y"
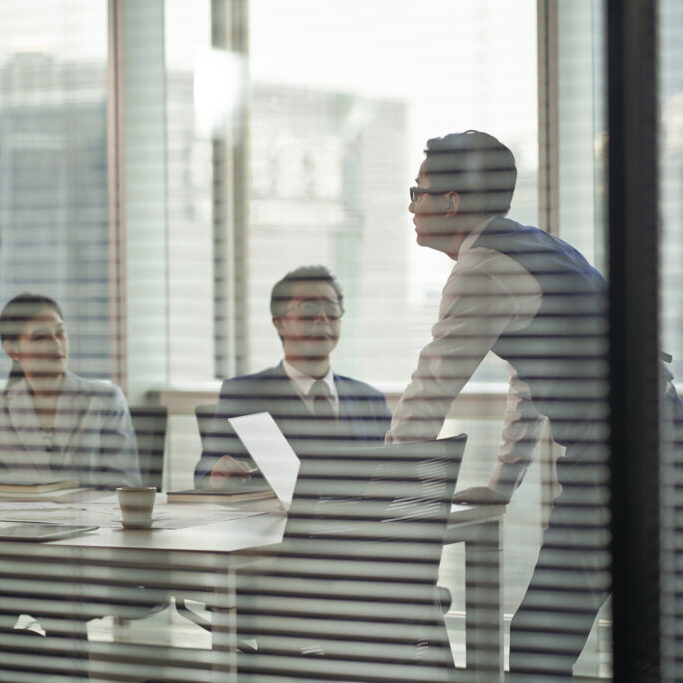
{"x": 474, "y": 235}
{"x": 304, "y": 382}
{"x": 69, "y": 385}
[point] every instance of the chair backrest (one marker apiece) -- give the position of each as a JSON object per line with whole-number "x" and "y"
{"x": 150, "y": 424}
{"x": 204, "y": 414}
{"x": 355, "y": 577}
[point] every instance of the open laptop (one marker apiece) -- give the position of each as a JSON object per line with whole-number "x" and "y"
{"x": 271, "y": 452}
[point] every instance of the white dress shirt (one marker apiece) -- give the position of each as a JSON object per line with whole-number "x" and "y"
{"x": 487, "y": 293}
{"x": 304, "y": 383}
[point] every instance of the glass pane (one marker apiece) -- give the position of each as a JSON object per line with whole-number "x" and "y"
{"x": 53, "y": 177}
{"x": 581, "y": 221}
{"x": 251, "y": 149}
{"x": 671, "y": 317}
{"x": 192, "y": 94}
{"x": 337, "y": 131}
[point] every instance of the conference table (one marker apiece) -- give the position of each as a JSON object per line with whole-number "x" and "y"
{"x": 197, "y": 551}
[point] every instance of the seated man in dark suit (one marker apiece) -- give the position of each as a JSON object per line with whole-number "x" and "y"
{"x": 313, "y": 407}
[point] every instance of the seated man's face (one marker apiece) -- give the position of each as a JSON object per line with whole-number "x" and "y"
{"x": 311, "y": 323}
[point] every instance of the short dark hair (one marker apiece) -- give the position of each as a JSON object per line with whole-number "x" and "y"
{"x": 477, "y": 166}
{"x": 281, "y": 294}
{"x": 19, "y": 310}
{"x": 16, "y": 313}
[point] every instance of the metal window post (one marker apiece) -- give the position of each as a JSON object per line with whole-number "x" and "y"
{"x": 634, "y": 347}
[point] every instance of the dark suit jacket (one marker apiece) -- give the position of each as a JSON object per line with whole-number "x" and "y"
{"x": 364, "y": 416}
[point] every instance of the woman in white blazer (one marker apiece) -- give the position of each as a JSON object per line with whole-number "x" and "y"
{"x": 53, "y": 423}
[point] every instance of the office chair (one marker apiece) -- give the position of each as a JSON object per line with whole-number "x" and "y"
{"x": 204, "y": 414}
{"x": 351, "y": 594}
{"x": 150, "y": 424}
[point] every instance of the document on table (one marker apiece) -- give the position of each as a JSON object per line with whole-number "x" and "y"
{"x": 106, "y": 515}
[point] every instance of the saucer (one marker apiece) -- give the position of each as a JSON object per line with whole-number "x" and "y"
{"x": 143, "y": 524}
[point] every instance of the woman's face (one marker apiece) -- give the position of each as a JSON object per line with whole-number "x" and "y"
{"x": 42, "y": 348}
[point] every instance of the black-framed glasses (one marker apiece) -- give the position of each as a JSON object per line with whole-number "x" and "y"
{"x": 312, "y": 308}
{"x": 416, "y": 191}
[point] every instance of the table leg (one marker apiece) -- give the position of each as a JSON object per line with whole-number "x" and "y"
{"x": 224, "y": 632}
{"x": 484, "y": 604}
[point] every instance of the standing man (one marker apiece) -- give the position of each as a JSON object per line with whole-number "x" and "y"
{"x": 534, "y": 301}
{"x": 313, "y": 406}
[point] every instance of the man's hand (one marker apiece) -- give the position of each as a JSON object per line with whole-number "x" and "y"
{"x": 480, "y": 495}
{"x": 227, "y": 467}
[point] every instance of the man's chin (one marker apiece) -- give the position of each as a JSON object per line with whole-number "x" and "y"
{"x": 434, "y": 241}
{"x": 317, "y": 349}
{"x": 323, "y": 347}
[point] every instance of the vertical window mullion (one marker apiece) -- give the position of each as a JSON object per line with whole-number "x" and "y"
{"x": 634, "y": 352}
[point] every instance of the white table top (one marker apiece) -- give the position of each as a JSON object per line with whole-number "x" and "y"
{"x": 219, "y": 536}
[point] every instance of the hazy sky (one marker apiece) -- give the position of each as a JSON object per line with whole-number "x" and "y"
{"x": 71, "y": 29}
{"x": 457, "y": 64}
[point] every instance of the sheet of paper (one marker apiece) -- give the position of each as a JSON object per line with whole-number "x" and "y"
{"x": 271, "y": 452}
{"x": 29, "y": 506}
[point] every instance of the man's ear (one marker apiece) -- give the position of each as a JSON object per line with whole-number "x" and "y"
{"x": 453, "y": 203}
{"x": 9, "y": 349}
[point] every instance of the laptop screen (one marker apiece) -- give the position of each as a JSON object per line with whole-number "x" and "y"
{"x": 271, "y": 451}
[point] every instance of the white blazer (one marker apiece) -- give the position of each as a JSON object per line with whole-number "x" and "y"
{"x": 93, "y": 439}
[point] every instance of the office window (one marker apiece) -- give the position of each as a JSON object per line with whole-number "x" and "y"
{"x": 338, "y": 119}
{"x": 54, "y": 224}
{"x": 671, "y": 143}
{"x": 671, "y": 321}
{"x": 577, "y": 203}
{"x": 192, "y": 75}
{"x": 163, "y": 163}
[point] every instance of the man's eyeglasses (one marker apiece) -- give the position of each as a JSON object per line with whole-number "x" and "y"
{"x": 312, "y": 308}
{"x": 415, "y": 192}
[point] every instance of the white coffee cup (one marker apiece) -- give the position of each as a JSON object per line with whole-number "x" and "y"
{"x": 136, "y": 503}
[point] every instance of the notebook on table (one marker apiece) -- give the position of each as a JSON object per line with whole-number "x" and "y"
{"x": 38, "y": 487}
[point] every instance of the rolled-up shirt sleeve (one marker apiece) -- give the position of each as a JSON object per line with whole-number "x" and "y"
{"x": 476, "y": 307}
